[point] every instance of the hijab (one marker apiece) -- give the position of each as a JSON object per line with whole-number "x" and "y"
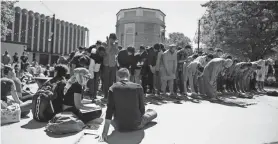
{"x": 80, "y": 75}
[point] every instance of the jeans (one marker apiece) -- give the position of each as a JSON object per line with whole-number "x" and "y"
{"x": 179, "y": 82}
{"x": 157, "y": 81}
{"x": 90, "y": 85}
{"x": 96, "y": 84}
{"x": 109, "y": 78}
{"x": 147, "y": 79}
{"x": 137, "y": 76}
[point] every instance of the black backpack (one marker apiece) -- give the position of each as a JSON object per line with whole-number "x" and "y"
{"x": 47, "y": 101}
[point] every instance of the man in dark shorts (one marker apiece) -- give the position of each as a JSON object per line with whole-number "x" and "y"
{"x": 126, "y": 104}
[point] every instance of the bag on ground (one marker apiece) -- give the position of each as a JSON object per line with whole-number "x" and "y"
{"x": 64, "y": 123}
{"x": 10, "y": 114}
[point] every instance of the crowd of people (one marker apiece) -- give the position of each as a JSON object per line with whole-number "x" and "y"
{"x": 126, "y": 75}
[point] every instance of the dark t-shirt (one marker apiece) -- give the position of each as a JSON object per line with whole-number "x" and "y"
{"x": 98, "y": 59}
{"x": 15, "y": 59}
{"x": 69, "y": 96}
{"x": 24, "y": 59}
{"x": 126, "y": 103}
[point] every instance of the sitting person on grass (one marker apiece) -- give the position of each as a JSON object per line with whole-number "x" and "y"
{"x": 73, "y": 92}
{"x": 126, "y": 104}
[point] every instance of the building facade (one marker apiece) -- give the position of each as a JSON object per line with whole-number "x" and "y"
{"x": 140, "y": 26}
{"x": 35, "y": 30}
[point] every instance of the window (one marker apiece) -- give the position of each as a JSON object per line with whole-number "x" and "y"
{"x": 159, "y": 16}
{"x": 149, "y": 28}
{"x": 129, "y": 37}
{"x": 149, "y": 14}
{"x": 130, "y": 14}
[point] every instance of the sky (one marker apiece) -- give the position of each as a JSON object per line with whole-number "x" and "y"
{"x": 100, "y": 16}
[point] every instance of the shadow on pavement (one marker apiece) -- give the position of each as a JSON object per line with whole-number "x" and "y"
{"x": 272, "y": 143}
{"x": 32, "y": 124}
{"x": 163, "y": 99}
{"x": 134, "y": 137}
{"x": 60, "y": 136}
{"x": 231, "y": 103}
{"x": 227, "y": 100}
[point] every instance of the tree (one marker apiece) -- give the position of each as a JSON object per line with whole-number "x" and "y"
{"x": 241, "y": 28}
{"x": 179, "y": 39}
{"x": 7, "y": 16}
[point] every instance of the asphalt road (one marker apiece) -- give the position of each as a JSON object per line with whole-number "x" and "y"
{"x": 237, "y": 121}
{"x": 233, "y": 121}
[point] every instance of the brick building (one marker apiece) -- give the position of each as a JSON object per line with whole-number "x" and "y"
{"x": 140, "y": 26}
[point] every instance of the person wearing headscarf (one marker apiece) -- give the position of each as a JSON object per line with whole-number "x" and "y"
{"x": 73, "y": 92}
{"x": 210, "y": 73}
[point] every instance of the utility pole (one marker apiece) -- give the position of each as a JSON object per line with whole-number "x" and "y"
{"x": 199, "y": 34}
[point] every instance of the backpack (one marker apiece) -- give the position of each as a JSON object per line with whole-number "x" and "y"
{"x": 44, "y": 104}
{"x": 64, "y": 123}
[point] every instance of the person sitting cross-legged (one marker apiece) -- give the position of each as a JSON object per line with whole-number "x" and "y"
{"x": 126, "y": 104}
{"x": 73, "y": 95}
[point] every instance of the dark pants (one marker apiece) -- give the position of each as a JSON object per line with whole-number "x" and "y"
{"x": 253, "y": 84}
{"x": 96, "y": 84}
{"x": 149, "y": 115}
{"x": 144, "y": 80}
{"x": 85, "y": 116}
{"x": 109, "y": 78}
{"x": 150, "y": 80}
{"x": 229, "y": 85}
{"x": 147, "y": 80}
{"x": 220, "y": 83}
{"x": 179, "y": 82}
{"x": 90, "y": 85}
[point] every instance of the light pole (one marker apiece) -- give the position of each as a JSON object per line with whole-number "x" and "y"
{"x": 52, "y": 38}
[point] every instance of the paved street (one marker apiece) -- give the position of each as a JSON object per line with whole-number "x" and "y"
{"x": 205, "y": 122}
{"x": 189, "y": 122}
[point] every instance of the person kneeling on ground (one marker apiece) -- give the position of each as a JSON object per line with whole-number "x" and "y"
{"x": 126, "y": 103}
{"x": 73, "y": 96}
